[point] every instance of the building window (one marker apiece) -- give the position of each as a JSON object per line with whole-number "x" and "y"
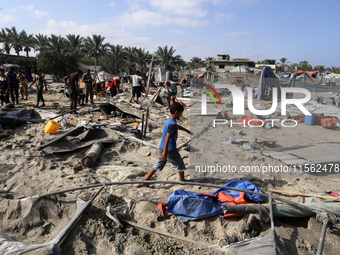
{"x": 224, "y": 57}
{"x": 221, "y": 66}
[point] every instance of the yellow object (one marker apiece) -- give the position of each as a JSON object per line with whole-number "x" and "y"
{"x": 135, "y": 124}
{"x": 52, "y": 127}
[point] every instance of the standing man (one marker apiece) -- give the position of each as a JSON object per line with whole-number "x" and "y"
{"x": 87, "y": 78}
{"x": 13, "y": 78}
{"x": 39, "y": 79}
{"x": 5, "y": 86}
{"x": 23, "y": 84}
{"x": 73, "y": 88}
{"x": 137, "y": 86}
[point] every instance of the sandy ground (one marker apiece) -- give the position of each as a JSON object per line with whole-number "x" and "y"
{"x": 26, "y": 171}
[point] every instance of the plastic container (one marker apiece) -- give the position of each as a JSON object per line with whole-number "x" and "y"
{"x": 52, "y": 127}
{"x": 309, "y": 119}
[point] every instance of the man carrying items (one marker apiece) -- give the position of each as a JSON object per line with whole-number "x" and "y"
{"x": 87, "y": 78}
{"x": 5, "y": 86}
{"x": 23, "y": 86}
{"x": 168, "y": 148}
{"x": 39, "y": 78}
{"x": 73, "y": 88}
{"x": 13, "y": 78}
{"x": 137, "y": 86}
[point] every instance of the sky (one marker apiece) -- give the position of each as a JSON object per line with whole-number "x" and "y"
{"x": 255, "y": 29}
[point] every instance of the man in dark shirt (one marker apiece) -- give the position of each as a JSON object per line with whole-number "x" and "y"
{"x": 13, "y": 78}
{"x": 73, "y": 88}
{"x": 87, "y": 78}
{"x": 4, "y": 87}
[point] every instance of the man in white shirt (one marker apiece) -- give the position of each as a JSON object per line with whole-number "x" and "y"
{"x": 137, "y": 86}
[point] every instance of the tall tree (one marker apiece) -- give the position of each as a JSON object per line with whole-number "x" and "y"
{"x": 5, "y": 40}
{"x": 305, "y": 66}
{"x": 209, "y": 61}
{"x": 319, "y": 68}
{"x": 166, "y": 57}
{"x": 142, "y": 58}
{"x": 283, "y": 64}
{"x": 95, "y": 46}
{"x": 116, "y": 58}
{"x": 74, "y": 44}
{"x": 56, "y": 43}
{"x": 40, "y": 42}
{"x": 27, "y": 42}
{"x": 195, "y": 62}
{"x": 16, "y": 39}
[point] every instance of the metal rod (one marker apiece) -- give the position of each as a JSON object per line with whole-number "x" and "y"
{"x": 322, "y": 237}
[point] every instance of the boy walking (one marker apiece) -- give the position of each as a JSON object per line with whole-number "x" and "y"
{"x": 167, "y": 148}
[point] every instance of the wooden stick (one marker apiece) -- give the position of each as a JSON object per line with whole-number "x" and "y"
{"x": 149, "y": 79}
{"x": 146, "y": 122}
{"x": 142, "y": 129}
{"x": 305, "y": 195}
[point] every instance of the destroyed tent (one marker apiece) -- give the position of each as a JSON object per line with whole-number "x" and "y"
{"x": 241, "y": 69}
{"x": 79, "y": 138}
{"x": 268, "y": 81}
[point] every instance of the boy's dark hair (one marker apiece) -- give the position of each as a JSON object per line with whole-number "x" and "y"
{"x": 80, "y": 72}
{"x": 138, "y": 72}
{"x": 176, "y": 107}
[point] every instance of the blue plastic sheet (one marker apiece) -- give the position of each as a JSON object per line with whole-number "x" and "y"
{"x": 241, "y": 185}
{"x": 189, "y": 205}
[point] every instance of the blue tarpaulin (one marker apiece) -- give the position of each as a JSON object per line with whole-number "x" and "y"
{"x": 189, "y": 205}
{"x": 241, "y": 185}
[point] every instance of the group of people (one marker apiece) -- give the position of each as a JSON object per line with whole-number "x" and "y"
{"x": 12, "y": 82}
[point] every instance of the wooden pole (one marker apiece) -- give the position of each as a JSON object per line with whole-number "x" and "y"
{"x": 149, "y": 79}
{"x": 142, "y": 130}
{"x": 146, "y": 122}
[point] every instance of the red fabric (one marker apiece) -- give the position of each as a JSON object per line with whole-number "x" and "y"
{"x": 161, "y": 208}
{"x": 333, "y": 193}
{"x": 329, "y": 122}
{"x": 229, "y": 200}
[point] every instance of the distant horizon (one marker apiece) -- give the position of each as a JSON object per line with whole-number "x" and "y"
{"x": 253, "y": 29}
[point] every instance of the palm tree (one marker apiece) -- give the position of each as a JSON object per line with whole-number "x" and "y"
{"x": 131, "y": 56}
{"x": 117, "y": 57}
{"x": 16, "y": 39}
{"x": 74, "y": 44}
{"x": 283, "y": 64}
{"x": 165, "y": 57}
{"x": 319, "y": 68}
{"x": 5, "y": 40}
{"x": 95, "y": 46}
{"x": 56, "y": 43}
{"x": 195, "y": 62}
{"x": 40, "y": 42}
{"x": 292, "y": 66}
{"x": 142, "y": 58}
{"x": 209, "y": 61}
{"x": 305, "y": 66}
{"x": 27, "y": 42}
